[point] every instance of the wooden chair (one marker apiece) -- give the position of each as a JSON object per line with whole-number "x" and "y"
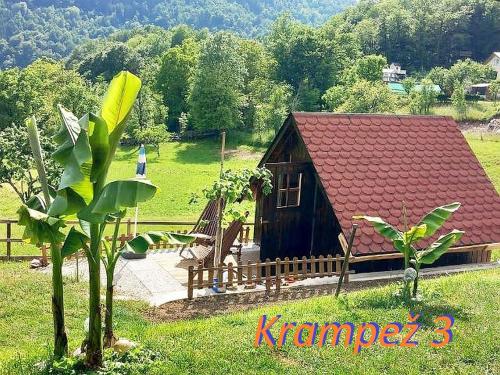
{"x": 206, "y": 224}
{"x": 229, "y": 244}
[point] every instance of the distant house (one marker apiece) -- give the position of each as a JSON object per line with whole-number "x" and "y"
{"x": 494, "y": 62}
{"x": 393, "y": 73}
{"x": 328, "y": 167}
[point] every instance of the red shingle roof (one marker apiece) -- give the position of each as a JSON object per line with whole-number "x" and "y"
{"x": 369, "y": 164}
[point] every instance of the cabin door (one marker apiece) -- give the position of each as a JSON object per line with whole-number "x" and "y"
{"x": 286, "y": 214}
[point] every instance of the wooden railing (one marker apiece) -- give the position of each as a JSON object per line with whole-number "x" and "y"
{"x": 269, "y": 273}
{"x": 245, "y": 236}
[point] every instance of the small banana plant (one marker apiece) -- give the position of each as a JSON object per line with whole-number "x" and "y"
{"x": 405, "y": 241}
{"x": 139, "y": 245}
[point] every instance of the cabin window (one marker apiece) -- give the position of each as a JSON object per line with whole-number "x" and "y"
{"x": 289, "y": 185}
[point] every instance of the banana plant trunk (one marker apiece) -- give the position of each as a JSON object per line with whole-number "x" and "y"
{"x": 109, "y": 337}
{"x": 94, "y": 344}
{"x": 60, "y": 337}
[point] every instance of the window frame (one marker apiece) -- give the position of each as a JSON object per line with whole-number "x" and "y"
{"x": 286, "y": 190}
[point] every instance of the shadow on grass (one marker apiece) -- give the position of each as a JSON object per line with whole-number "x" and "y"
{"x": 429, "y": 308}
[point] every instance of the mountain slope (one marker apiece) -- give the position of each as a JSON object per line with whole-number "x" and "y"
{"x": 33, "y": 28}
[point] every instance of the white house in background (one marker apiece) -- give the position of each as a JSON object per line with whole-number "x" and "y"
{"x": 494, "y": 62}
{"x": 393, "y": 73}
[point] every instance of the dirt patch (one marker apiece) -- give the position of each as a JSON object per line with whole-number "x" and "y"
{"x": 243, "y": 154}
{"x": 204, "y": 307}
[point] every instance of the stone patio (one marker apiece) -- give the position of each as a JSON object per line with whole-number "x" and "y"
{"x": 159, "y": 278}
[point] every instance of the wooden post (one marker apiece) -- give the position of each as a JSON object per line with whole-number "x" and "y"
{"x": 240, "y": 273}
{"x": 313, "y": 265}
{"x": 219, "y": 233}
{"x": 304, "y": 268}
{"x": 287, "y": 268}
{"x": 295, "y": 268}
{"x": 230, "y": 275}
{"x": 190, "y": 282}
{"x": 129, "y": 227}
{"x": 9, "y": 244}
{"x": 249, "y": 275}
{"x": 329, "y": 265}
{"x": 210, "y": 275}
{"x": 220, "y": 275}
{"x": 45, "y": 261}
{"x": 258, "y": 272}
{"x": 345, "y": 265}
{"x": 321, "y": 266}
{"x": 278, "y": 275}
{"x": 268, "y": 274}
{"x": 200, "y": 276}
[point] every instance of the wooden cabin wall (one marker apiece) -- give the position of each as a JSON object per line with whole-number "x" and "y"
{"x": 320, "y": 224}
{"x": 326, "y": 228}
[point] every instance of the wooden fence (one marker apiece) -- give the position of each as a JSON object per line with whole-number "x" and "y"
{"x": 278, "y": 272}
{"x": 269, "y": 273}
{"x": 245, "y": 236}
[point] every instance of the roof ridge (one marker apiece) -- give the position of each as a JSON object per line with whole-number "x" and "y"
{"x": 346, "y": 114}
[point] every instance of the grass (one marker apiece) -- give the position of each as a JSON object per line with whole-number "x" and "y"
{"x": 223, "y": 344}
{"x": 476, "y": 111}
{"x": 487, "y": 151}
{"x": 181, "y": 170}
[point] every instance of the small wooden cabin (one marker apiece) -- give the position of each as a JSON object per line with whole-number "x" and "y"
{"x": 328, "y": 167}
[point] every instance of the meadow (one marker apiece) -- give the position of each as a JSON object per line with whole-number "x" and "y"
{"x": 224, "y": 344}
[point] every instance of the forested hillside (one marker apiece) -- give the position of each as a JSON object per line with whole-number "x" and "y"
{"x": 33, "y": 28}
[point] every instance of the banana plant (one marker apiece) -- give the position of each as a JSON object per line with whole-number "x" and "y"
{"x": 405, "y": 241}
{"x": 41, "y": 228}
{"x": 86, "y": 148}
{"x": 79, "y": 238}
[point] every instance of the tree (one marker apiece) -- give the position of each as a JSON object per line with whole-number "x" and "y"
{"x": 153, "y": 135}
{"x": 148, "y": 112}
{"x": 422, "y": 97}
{"x": 405, "y": 242}
{"x": 458, "y": 100}
{"x": 17, "y": 164}
{"x": 216, "y": 98}
{"x": 408, "y": 84}
{"x": 334, "y": 97}
{"x": 494, "y": 90}
{"x": 108, "y": 59}
{"x": 370, "y": 67}
{"x": 368, "y": 97}
{"x": 175, "y": 78}
{"x": 273, "y": 109}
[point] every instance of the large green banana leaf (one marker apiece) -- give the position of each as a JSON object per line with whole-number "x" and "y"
{"x": 39, "y": 227}
{"x": 439, "y": 247}
{"x": 117, "y": 104}
{"x": 75, "y": 155}
{"x": 75, "y": 240}
{"x": 436, "y": 218}
{"x": 123, "y": 193}
{"x": 141, "y": 243}
{"x": 415, "y": 233}
{"x": 116, "y": 196}
{"x": 385, "y": 229}
{"x": 99, "y": 143}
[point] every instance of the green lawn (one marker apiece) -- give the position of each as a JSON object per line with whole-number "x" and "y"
{"x": 223, "y": 344}
{"x": 180, "y": 170}
{"x": 478, "y": 111}
{"x": 487, "y": 151}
